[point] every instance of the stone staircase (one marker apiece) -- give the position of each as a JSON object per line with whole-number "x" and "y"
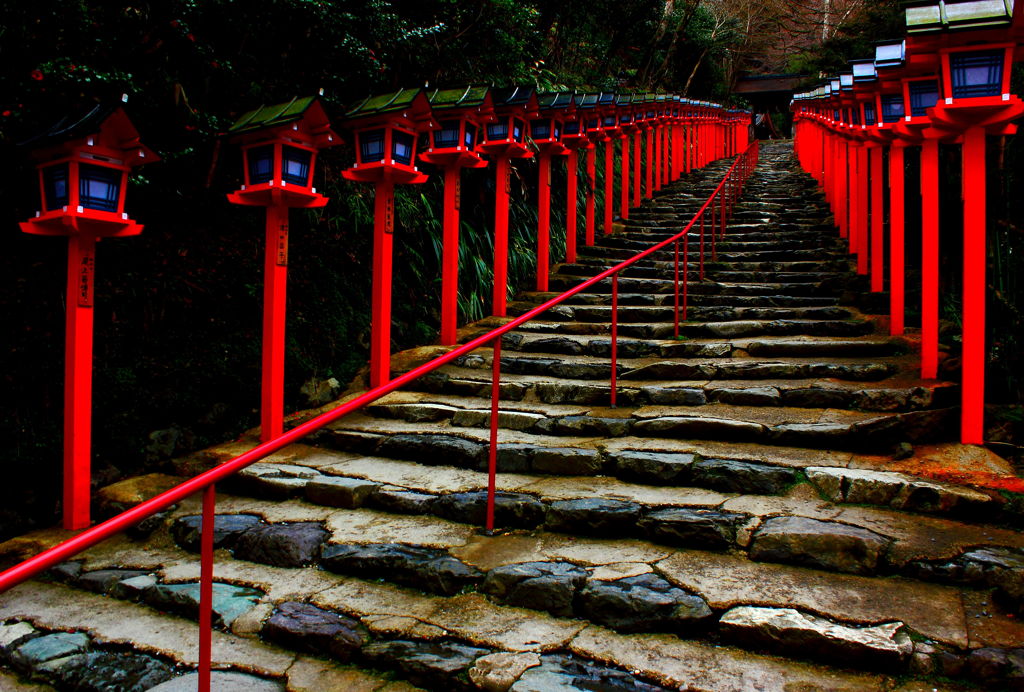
{"x": 742, "y": 520}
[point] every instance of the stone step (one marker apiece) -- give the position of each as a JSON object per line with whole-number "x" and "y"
{"x": 558, "y": 282}
{"x": 651, "y": 313}
{"x": 697, "y": 300}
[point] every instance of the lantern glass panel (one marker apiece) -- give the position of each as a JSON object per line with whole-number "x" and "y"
{"x": 625, "y": 119}
{"x": 517, "y": 129}
{"x": 55, "y": 186}
{"x": 593, "y": 124}
{"x": 890, "y": 54}
{"x": 869, "y": 114}
{"x": 976, "y": 12}
{"x": 540, "y": 129}
{"x": 864, "y": 71}
{"x": 295, "y": 165}
{"x": 892, "y": 108}
{"x": 498, "y": 131}
{"x": 402, "y": 147}
{"x": 98, "y": 187}
{"x": 558, "y": 131}
{"x": 846, "y": 81}
{"x": 609, "y": 121}
{"x": 923, "y": 95}
{"x": 855, "y": 116}
{"x": 572, "y": 127}
{"x": 469, "y": 138}
{"x": 448, "y": 136}
{"x": 261, "y": 164}
{"x": 976, "y": 74}
{"x": 371, "y": 146}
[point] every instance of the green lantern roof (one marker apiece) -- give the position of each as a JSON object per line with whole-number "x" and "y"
{"x": 272, "y": 116}
{"x": 383, "y": 103}
{"x": 463, "y": 97}
{"x": 557, "y": 100}
{"x": 587, "y": 100}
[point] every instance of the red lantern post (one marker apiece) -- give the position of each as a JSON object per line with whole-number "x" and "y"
{"x": 546, "y": 133}
{"x": 610, "y": 132}
{"x": 505, "y": 139}
{"x": 385, "y": 129}
{"x": 279, "y": 145}
{"x": 590, "y": 120}
{"x": 83, "y": 169}
{"x": 574, "y": 137}
{"x": 452, "y": 146}
{"x": 626, "y": 127}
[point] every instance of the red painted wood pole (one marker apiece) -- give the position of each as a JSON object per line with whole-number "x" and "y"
{"x": 862, "y": 215}
{"x": 588, "y": 236}
{"x": 275, "y": 286}
{"x": 501, "y": 193}
{"x": 636, "y": 168}
{"x": 853, "y": 200}
{"x": 624, "y": 184}
{"x": 450, "y": 256}
{"x": 877, "y": 229}
{"x": 675, "y": 304}
{"x": 615, "y": 338}
{"x": 897, "y": 220}
{"x": 206, "y": 586}
{"x": 659, "y": 151}
{"x": 543, "y": 219}
{"x": 78, "y": 381}
{"x": 972, "y": 387}
{"x": 609, "y": 185}
{"x": 571, "y": 180}
{"x": 930, "y": 259}
{"x": 383, "y": 237}
{"x": 492, "y": 451}
{"x": 649, "y": 171}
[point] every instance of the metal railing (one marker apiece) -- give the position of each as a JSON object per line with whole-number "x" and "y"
{"x": 718, "y": 207}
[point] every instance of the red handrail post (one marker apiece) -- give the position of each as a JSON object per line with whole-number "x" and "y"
{"x": 571, "y": 180}
{"x": 615, "y": 336}
{"x": 78, "y": 381}
{"x": 675, "y": 331}
{"x": 686, "y": 277}
{"x": 206, "y": 586}
{"x": 383, "y": 238}
{"x": 637, "y": 167}
{"x": 649, "y": 170}
{"x": 492, "y": 451}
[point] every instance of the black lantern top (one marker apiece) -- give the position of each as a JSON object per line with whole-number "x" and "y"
{"x": 460, "y": 115}
{"x": 385, "y": 128}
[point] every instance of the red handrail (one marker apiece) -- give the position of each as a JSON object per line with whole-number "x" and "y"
{"x": 206, "y": 481}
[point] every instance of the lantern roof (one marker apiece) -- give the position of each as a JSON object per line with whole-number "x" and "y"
{"x": 525, "y": 96}
{"x": 606, "y": 98}
{"x": 624, "y": 99}
{"x": 278, "y": 114}
{"x": 386, "y": 103}
{"x": 563, "y": 100}
{"x": 106, "y": 120}
{"x": 472, "y": 96}
{"x": 587, "y": 100}
{"x": 934, "y": 15}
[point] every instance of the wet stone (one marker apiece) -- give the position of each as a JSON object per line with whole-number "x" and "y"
{"x": 435, "y": 450}
{"x": 700, "y": 428}
{"x": 733, "y": 476}
{"x": 282, "y": 545}
{"x": 816, "y": 397}
{"x": 558, "y": 393}
{"x": 567, "y": 461}
{"x": 819, "y": 544}
{"x": 561, "y": 672}
{"x": 221, "y": 681}
{"x": 515, "y": 457}
{"x": 429, "y": 569}
{"x": 585, "y": 425}
{"x": 106, "y": 670}
{"x": 186, "y": 531}
{"x": 511, "y": 510}
{"x": 897, "y": 490}
{"x": 104, "y": 580}
{"x": 65, "y": 571}
{"x": 508, "y": 420}
{"x": 993, "y": 666}
{"x": 403, "y": 501}
{"x": 789, "y": 632}
{"x": 825, "y": 435}
{"x": 14, "y": 634}
{"x": 48, "y": 647}
{"x": 644, "y": 603}
{"x": 272, "y": 481}
{"x": 430, "y": 664}
{"x": 548, "y": 586}
{"x": 660, "y": 468}
{"x": 693, "y": 528}
{"x": 989, "y": 567}
{"x": 133, "y": 589}
{"x": 229, "y": 600}
{"x": 337, "y": 491}
{"x": 675, "y": 396}
{"x": 498, "y": 672}
{"x": 751, "y": 396}
{"x": 305, "y": 627}
{"x": 593, "y": 516}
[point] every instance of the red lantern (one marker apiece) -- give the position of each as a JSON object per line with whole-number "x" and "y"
{"x": 83, "y": 168}
{"x": 279, "y": 150}
{"x": 453, "y": 145}
{"x": 385, "y": 129}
